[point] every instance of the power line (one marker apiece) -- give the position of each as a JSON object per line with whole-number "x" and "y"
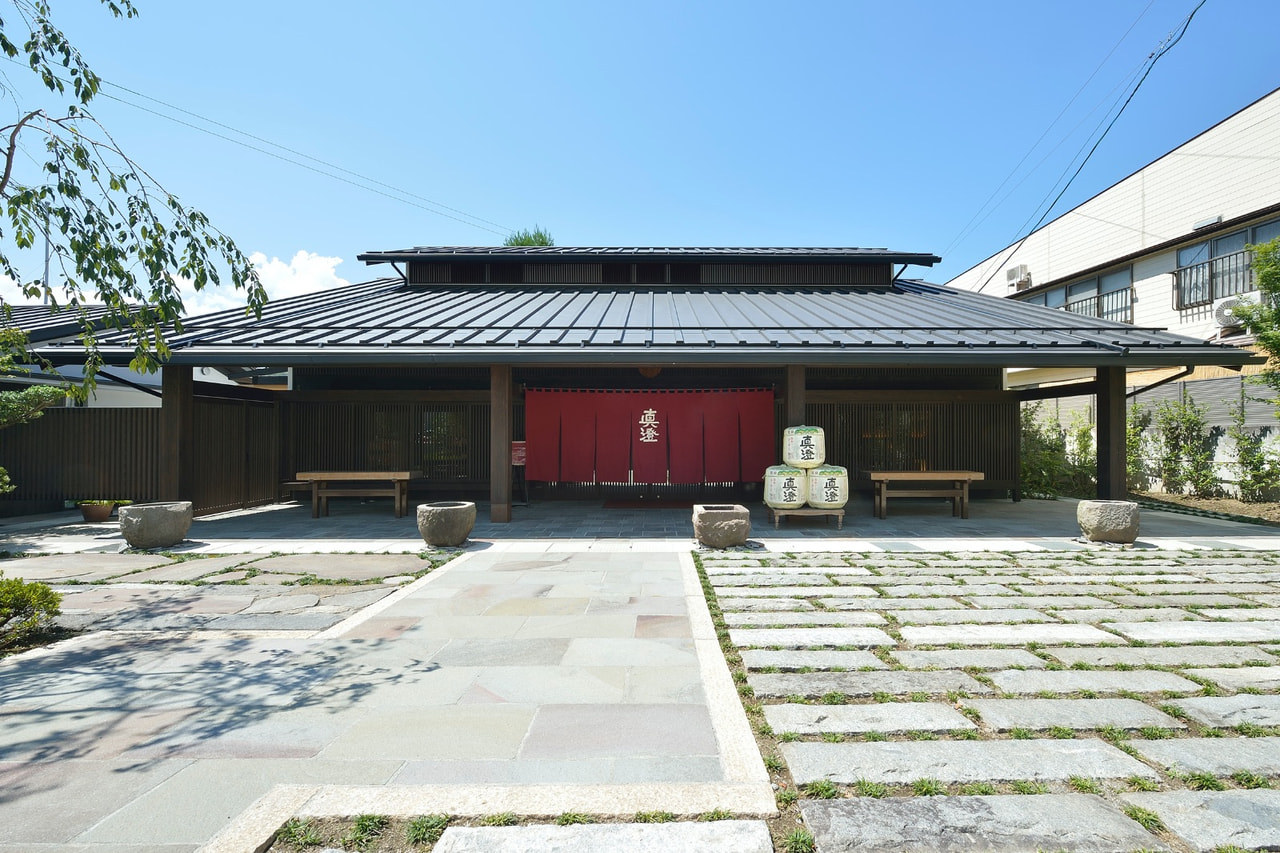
{"x": 974, "y": 221}
{"x": 395, "y": 193}
{"x": 1155, "y": 57}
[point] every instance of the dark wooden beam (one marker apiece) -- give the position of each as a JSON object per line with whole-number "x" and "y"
{"x": 1050, "y": 392}
{"x": 911, "y": 396}
{"x": 1112, "y": 473}
{"x": 500, "y": 444}
{"x": 177, "y": 457}
{"x": 795, "y": 394}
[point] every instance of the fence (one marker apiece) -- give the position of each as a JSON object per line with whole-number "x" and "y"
{"x": 100, "y": 453}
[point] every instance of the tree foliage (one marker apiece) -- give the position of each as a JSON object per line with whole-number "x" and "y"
{"x": 115, "y": 235}
{"x": 524, "y": 237}
{"x": 1263, "y": 320}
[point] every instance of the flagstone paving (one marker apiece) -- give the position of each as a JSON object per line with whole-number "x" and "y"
{"x": 1089, "y": 678}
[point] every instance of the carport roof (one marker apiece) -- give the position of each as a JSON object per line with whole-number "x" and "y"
{"x": 903, "y": 323}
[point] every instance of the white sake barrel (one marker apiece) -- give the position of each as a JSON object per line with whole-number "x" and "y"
{"x": 804, "y": 446}
{"x": 785, "y": 487}
{"x": 828, "y": 487}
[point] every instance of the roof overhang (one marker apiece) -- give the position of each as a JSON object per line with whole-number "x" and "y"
{"x": 623, "y": 254}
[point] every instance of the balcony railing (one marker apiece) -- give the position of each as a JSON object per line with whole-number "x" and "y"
{"x": 1117, "y": 305}
{"x": 1201, "y": 284}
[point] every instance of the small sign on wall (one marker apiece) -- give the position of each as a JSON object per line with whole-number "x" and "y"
{"x": 517, "y": 453}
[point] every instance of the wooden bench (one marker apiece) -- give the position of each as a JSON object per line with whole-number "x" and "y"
{"x": 957, "y": 490}
{"x": 350, "y": 487}
{"x": 776, "y": 515}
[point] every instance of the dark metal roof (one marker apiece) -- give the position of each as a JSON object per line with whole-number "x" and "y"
{"x": 652, "y": 254}
{"x": 44, "y": 322}
{"x": 905, "y": 323}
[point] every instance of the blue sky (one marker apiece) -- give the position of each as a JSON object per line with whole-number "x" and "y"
{"x": 657, "y": 123}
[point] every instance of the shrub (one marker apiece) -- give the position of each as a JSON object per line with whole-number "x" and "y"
{"x": 25, "y": 608}
{"x": 1185, "y": 445}
{"x": 1258, "y": 468}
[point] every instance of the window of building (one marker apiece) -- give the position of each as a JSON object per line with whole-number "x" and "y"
{"x": 1109, "y": 296}
{"x": 1212, "y": 269}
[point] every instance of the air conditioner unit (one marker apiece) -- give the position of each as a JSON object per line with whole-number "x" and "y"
{"x": 1018, "y": 277}
{"x": 1223, "y": 315}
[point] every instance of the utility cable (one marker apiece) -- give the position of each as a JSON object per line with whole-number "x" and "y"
{"x": 1155, "y": 57}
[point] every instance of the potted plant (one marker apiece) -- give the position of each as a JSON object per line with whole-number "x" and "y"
{"x": 98, "y": 510}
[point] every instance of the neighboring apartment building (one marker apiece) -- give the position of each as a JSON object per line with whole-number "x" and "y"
{"x": 1164, "y": 248}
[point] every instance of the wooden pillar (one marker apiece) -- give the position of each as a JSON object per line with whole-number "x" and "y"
{"x": 499, "y": 444}
{"x": 177, "y": 440}
{"x": 795, "y": 395}
{"x": 1112, "y": 473}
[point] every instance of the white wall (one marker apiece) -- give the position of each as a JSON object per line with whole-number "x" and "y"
{"x": 1230, "y": 170}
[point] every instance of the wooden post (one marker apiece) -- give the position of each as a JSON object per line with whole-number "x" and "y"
{"x": 795, "y": 395}
{"x": 177, "y": 433}
{"x": 499, "y": 444}
{"x": 1112, "y": 465}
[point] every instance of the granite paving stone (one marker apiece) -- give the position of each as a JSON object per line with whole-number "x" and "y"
{"x": 1198, "y": 632}
{"x": 762, "y": 605}
{"x": 1071, "y": 602}
{"x": 1086, "y": 589}
{"x": 562, "y": 731}
{"x": 1244, "y": 614}
{"x": 969, "y": 658}
{"x": 971, "y": 615}
{"x": 747, "y": 620}
{"x": 970, "y": 588}
{"x": 1041, "y": 714}
{"x": 994, "y": 824}
{"x": 896, "y": 682}
{"x": 1227, "y": 711}
{"x": 1162, "y": 655}
{"x": 725, "y": 836}
{"x": 793, "y": 591}
{"x": 1219, "y": 756}
{"x": 771, "y": 579}
{"x": 1098, "y": 681}
{"x": 793, "y": 638}
{"x": 1185, "y": 600}
{"x": 1005, "y": 635}
{"x": 1074, "y": 580}
{"x": 857, "y": 719}
{"x": 1206, "y": 820}
{"x": 1125, "y": 614}
{"x": 911, "y": 580}
{"x": 909, "y": 590}
{"x": 902, "y": 762}
{"x": 357, "y": 567}
{"x": 186, "y": 570}
{"x": 79, "y": 567}
{"x": 1203, "y": 587}
{"x": 789, "y": 659}
{"x": 874, "y": 603}
{"x": 1241, "y": 678}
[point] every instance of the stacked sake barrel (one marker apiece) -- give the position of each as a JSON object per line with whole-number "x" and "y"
{"x": 804, "y": 477}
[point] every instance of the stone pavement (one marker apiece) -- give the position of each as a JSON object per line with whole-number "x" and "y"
{"x": 563, "y": 665}
{"x": 536, "y": 683}
{"x": 971, "y": 679}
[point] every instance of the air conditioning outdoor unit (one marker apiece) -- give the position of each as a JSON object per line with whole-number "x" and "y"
{"x": 1223, "y": 315}
{"x": 1018, "y": 277}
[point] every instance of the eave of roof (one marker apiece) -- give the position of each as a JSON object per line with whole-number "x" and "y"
{"x": 651, "y": 254}
{"x": 906, "y": 323}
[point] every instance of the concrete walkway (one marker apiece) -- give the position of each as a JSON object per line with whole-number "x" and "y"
{"x": 563, "y": 665}
{"x": 530, "y": 683}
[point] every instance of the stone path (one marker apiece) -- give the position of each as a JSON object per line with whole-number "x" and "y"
{"x": 1118, "y": 685}
{"x": 533, "y": 683}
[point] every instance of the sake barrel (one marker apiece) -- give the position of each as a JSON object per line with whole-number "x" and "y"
{"x": 785, "y": 486}
{"x": 804, "y": 446}
{"x": 828, "y": 487}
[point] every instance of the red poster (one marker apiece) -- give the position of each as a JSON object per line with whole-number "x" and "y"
{"x": 757, "y": 432}
{"x": 684, "y": 442}
{"x": 720, "y": 437}
{"x": 542, "y": 435}
{"x": 577, "y": 437}
{"x": 613, "y": 436}
{"x": 650, "y": 428}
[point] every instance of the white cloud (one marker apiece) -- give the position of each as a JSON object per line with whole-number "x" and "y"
{"x": 306, "y": 272}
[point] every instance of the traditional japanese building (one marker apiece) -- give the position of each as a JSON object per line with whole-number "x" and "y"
{"x": 634, "y": 371}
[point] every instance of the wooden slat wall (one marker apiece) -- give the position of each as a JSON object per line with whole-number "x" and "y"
{"x": 83, "y": 454}
{"x": 90, "y": 453}
{"x": 235, "y": 464}
{"x": 978, "y": 436}
{"x": 446, "y": 441}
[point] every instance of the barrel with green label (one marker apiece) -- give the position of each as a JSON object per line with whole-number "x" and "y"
{"x": 785, "y": 486}
{"x": 804, "y": 446}
{"x": 828, "y": 487}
